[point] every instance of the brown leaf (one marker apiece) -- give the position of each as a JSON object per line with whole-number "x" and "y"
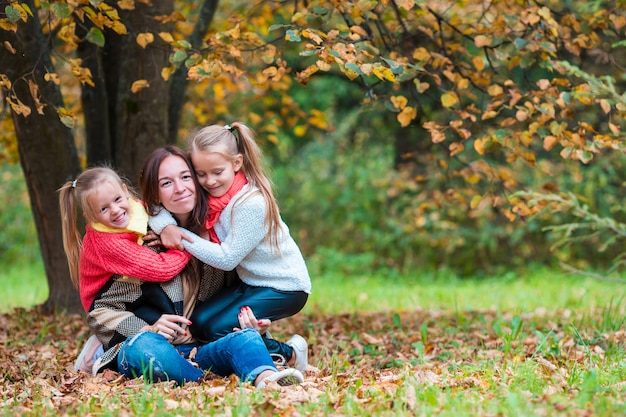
{"x": 9, "y": 47}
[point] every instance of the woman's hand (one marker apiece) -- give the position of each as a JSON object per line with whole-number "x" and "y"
{"x": 247, "y": 319}
{"x": 151, "y": 238}
{"x": 169, "y": 325}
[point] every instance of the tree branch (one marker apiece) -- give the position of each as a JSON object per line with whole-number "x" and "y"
{"x": 592, "y": 275}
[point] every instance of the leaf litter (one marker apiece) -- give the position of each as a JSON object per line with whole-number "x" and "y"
{"x": 377, "y": 360}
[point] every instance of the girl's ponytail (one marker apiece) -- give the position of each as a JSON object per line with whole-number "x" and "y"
{"x": 254, "y": 169}
{"x": 72, "y": 240}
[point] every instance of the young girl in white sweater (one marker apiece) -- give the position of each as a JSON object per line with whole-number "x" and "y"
{"x": 244, "y": 232}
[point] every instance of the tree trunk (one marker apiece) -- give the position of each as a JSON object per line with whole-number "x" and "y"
{"x": 47, "y": 152}
{"x": 140, "y": 119}
{"x": 95, "y": 102}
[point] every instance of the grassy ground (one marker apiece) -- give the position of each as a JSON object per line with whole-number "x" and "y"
{"x": 539, "y": 289}
{"x": 545, "y": 344}
{"x": 22, "y": 286}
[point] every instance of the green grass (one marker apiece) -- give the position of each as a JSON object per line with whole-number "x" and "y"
{"x": 23, "y": 286}
{"x": 539, "y": 289}
{"x": 535, "y": 290}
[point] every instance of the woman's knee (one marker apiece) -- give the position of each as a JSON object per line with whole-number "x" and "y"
{"x": 144, "y": 344}
{"x": 145, "y": 339}
{"x": 144, "y": 354}
{"x": 246, "y": 337}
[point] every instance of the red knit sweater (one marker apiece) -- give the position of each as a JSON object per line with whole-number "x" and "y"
{"x": 106, "y": 254}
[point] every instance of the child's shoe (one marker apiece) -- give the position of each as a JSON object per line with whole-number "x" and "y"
{"x": 289, "y": 376}
{"x": 91, "y": 352}
{"x": 301, "y": 348}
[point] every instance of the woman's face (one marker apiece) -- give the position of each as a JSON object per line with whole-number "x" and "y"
{"x": 177, "y": 191}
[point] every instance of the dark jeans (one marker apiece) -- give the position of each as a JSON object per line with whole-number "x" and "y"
{"x": 217, "y": 316}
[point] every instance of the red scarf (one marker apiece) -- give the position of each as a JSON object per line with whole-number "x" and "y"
{"x": 217, "y": 204}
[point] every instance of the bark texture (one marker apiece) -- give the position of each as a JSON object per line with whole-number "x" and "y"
{"x": 47, "y": 152}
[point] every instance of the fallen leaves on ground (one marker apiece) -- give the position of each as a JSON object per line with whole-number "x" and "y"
{"x": 372, "y": 356}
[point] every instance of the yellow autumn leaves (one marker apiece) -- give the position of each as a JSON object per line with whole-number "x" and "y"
{"x": 407, "y": 113}
{"x": 144, "y": 39}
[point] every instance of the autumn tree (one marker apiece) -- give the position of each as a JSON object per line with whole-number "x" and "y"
{"x": 114, "y": 56}
{"x": 47, "y": 152}
{"x": 484, "y": 79}
{"x": 495, "y": 84}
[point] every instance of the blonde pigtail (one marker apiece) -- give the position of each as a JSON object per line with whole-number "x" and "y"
{"x": 72, "y": 240}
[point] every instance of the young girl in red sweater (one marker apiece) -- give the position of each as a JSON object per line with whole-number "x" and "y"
{"x": 112, "y": 244}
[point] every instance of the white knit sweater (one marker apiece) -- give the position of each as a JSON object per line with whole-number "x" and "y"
{"x": 242, "y": 232}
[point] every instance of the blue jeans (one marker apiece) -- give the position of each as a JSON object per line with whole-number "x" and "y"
{"x": 150, "y": 355}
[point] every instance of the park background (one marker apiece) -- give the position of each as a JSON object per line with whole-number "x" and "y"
{"x": 447, "y": 170}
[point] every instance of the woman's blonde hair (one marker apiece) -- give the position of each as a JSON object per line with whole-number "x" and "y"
{"x": 231, "y": 141}
{"x": 74, "y": 196}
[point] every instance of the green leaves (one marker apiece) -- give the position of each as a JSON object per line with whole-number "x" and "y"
{"x": 95, "y": 36}
{"x": 293, "y": 35}
{"x": 12, "y": 13}
{"x": 61, "y": 10}
{"x": 178, "y": 57}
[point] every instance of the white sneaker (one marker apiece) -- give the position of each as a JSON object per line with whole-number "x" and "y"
{"x": 289, "y": 376}
{"x": 301, "y": 348}
{"x": 92, "y": 350}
